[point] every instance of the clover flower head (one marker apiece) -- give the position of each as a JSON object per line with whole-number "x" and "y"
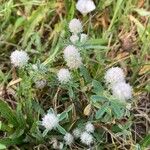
{"x": 85, "y": 6}
{"x": 35, "y": 67}
{"x": 86, "y": 138}
{"x": 89, "y": 127}
{"x": 129, "y": 106}
{"x": 75, "y": 26}
{"x": 50, "y": 121}
{"x": 114, "y": 75}
{"x": 57, "y": 145}
{"x": 61, "y": 145}
{"x": 68, "y": 138}
{"x": 122, "y": 91}
{"x": 19, "y": 58}
{"x": 72, "y": 57}
{"x": 64, "y": 75}
{"x": 76, "y": 133}
{"x": 74, "y": 38}
{"x": 40, "y": 84}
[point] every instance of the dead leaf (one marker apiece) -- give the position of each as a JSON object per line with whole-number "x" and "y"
{"x": 141, "y": 3}
{"x": 144, "y": 69}
{"x": 122, "y": 55}
{"x": 87, "y": 110}
{"x": 13, "y": 82}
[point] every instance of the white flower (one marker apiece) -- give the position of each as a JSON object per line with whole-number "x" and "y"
{"x": 72, "y": 57}
{"x": 129, "y": 106}
{"x": 76, "y": 133}
{"x": 75, "y": 26}
{"x": 86, "y": 138}
{"x": 83, "y": 38}
{"x": 61, "y": 145}
{"x": 68, "y": 139}
{"x": 35, "y": 67}
{"x": 122, "y": 91}
{"x": 57, "y": 145}
{"x": 19, "y": 58}
{"x": 40, "y": 84}
{"x": 74, "y": 38}
{"x": 64, "y": 75}
{"x": 85, "y": 6}
{"x": 89, "y": 127}
{"x": 50, "y": 121}
{"x": 114, "y": 75}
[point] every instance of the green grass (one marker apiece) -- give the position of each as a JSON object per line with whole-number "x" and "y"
{"x": 119, "y": 35}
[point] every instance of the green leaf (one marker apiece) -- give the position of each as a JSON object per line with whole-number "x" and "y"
{"x": 97, "y": 98}
{"x": 36, "y": 133}
{"x": 106, "y": 3}
{"x": 84, "y": 72}
{"x": 117, "y": 109}
{"x": 69, "y": 108}
{"x": 7, "y": 113}
{"x": 2, "y": 146}
{"x": 140, "y": 28}
{"x": 97, "y": 42}
{"x": 147, "y": 87}
{"x": 36, "y": 17}
{"x": 71, "y": 11}
{"x": 142, "y": 12}
{"x": 137, "y": 147}
{"x": 95, "y": 47}
{"x": 8, "y": 142}
{"x": 45, "y": 132}
{"x": 97, "y": 87}
{"x": 63, "y": 115}
{"x": 19, "y": 22}
{"x": 17, "y": 133}
{"x": 145, "y": 142}
{"x": 71, "y": 93}
{"x": 37, "y": 107}
{"x": 101, "y": 111}
{"x": 117, "y": 8}
{"x": 20, "y": 117}
{"x": 61, "y": 130}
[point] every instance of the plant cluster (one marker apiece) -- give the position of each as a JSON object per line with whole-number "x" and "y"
{"x": 71, "y": 96}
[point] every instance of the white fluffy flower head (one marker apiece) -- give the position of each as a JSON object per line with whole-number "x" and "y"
{"x": 129, "y": 106}
{"x": 50, "y": 121}
{"x": 74, "y": 38}
{"x": 76, "y": 133}
{"x": 61, "y": 145}
{"x": 72, "y": 57}
{"x": 19, "y": 58}
{"x": 40, "y": 84}
{"x": 85, "y": 6}
{"x": 68, "y": 139}
{"x": 75, "y": 26}
{"x": 89, "y": 127}
{"x": 86, "y": 138}
{"x": 64, "y": 75}
{"x": 122, "y": 91}
{"x": 57, "y": 145}
{"x": 114, "y": 75}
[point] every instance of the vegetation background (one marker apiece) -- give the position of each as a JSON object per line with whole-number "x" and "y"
{"x": 120, "y": 35}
